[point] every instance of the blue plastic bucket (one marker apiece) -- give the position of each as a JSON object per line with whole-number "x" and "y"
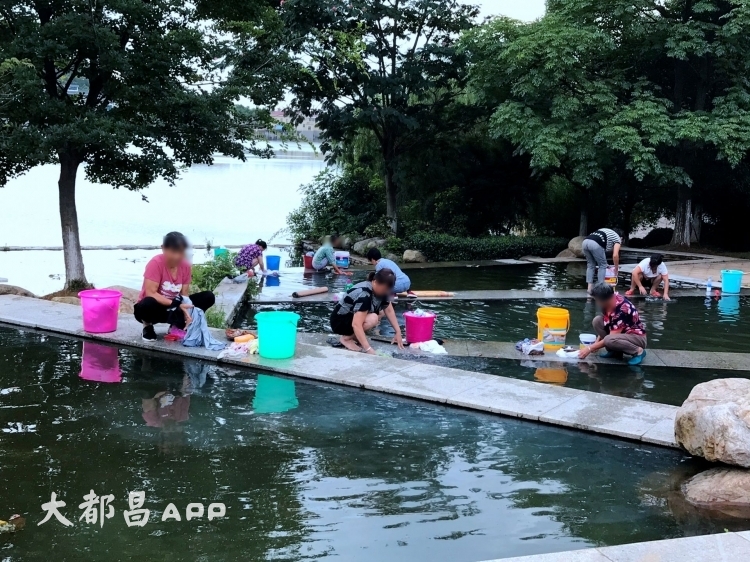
{"x": 731, "y": 281}
{"x": 277, "y": 334}
{"x": 273, "y": 263}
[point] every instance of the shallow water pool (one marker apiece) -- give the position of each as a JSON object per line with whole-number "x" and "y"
{"x": 305, "y": 471}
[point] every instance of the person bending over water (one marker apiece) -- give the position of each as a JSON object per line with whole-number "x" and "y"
{"x": 250, "y": 257}
{"x": 325, "y": 257}
{"x": 619, "y": 327}
{"x": 166, "y": 286}
{"x": 403, "y": 283}
{"x": 595, "y": 247}
{"x": 361, "y": 310}
{"x": 652, "y": 272}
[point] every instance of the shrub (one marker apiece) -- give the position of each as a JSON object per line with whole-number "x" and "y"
{"x": 443, "y": 247}
{"x": 207, "y": 276}
{"x": 394, "y": 245}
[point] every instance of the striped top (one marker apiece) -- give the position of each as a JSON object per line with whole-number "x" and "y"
{"x": 606, "y": 238}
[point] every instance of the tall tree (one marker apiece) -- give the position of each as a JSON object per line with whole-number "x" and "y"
{"x": 387, "y": 66}
{"x": 131, "y": 89}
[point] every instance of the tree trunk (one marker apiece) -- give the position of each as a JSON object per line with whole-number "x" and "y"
{"x": 75, "y": 278}
{"x": 683, "y": 218}
{"x": 583, "y": 226}
{"x": 390, "y": 199}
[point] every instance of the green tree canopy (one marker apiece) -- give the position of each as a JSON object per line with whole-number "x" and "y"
{"x": 386, "y": 66}
{"x": 154, "y": 92}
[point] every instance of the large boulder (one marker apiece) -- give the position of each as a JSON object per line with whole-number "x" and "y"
{"x": 726, "y": 490}
{"x": 393, "y": 257}
{"x": 362, "y": 246}
{"x": 576, "y": 246}
{"x": 15, "y": 290}
{"x": 567, "y": 253}
{"x": 414, "y": 256}
{"x": 67, "y": 300}
{"x": 714, "y": 421}
{"x": 129, "y": 298}
{"x": 346, "y": 243}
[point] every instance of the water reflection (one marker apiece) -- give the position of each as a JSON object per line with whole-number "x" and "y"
{"x": 274, "y": 395}
{"x": 100, "y": 363}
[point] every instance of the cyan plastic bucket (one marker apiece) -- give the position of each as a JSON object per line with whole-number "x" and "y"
{"x": 277, "y": 334}
{"x": 273, "y": 262}
{"x": 220, "y": 252}
{"x": 731, "y": 281}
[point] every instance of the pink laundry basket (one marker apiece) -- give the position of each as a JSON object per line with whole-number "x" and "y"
{"x": 419, "y": 328}
{"x": 100, "y": 309}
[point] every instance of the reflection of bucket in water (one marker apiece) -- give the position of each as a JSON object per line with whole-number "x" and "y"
{"x": 551, "y": 376}
{"x": 272, "y": 281}
{"x": 274, "y": 395}
{"x": 100, "y": 363}
{"x": 729, "y": 306}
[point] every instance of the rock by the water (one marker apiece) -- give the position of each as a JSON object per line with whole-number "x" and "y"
{"x": 414, "y": 256}
{"x": 362, "y": 246}
{"x": 567, "y": 253}
{"x": 129, "y": 298}
{"x": 67, "y": 300}
{"x": 576, "y": 246}
{"x": 15, "y": 290}
{"x": 346, "y": 243}
{"x": 714, "y": 421}
{"x": 393, "y": 257}
{"x": 721, "y": 489}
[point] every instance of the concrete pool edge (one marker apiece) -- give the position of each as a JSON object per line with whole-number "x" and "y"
{"x": 627, "y": 418}
{"x": 722, "y": 547}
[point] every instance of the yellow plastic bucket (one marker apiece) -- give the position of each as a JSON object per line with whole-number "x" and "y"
{"x": 554, "y": 324}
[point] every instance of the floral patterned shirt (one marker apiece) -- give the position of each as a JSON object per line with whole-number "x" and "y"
{"x": 624, "y": 318}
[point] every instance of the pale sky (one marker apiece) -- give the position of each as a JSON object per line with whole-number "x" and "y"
{"x": 525, "y": 10}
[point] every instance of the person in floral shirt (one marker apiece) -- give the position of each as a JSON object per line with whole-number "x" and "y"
{"x": 619, "y": 327}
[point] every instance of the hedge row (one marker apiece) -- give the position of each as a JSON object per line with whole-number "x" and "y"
{"x": 444, "y": 247}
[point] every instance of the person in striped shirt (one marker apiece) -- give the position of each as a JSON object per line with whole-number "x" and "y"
{"x": 596, "y": 246}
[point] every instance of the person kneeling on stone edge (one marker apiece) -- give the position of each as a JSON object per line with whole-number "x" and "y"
{"x": 619, "y": 327}
{"x": 361, "y": 310}
{"x": 166, "y": 285}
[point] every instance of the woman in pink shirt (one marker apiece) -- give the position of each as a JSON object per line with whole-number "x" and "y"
{"x": 166, "y": 286}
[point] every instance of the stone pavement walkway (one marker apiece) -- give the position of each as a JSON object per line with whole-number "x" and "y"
{"x": 723, "y": 547}
{"x": 273, "y": 295}
{"x": 598, "y": 413}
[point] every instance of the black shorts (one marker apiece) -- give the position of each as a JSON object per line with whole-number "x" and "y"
{"x": 341, "y": 324}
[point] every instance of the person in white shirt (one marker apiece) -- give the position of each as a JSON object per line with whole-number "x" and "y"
{"x": 651, "y": 271}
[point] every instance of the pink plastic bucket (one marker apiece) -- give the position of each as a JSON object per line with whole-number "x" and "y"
{"x": 100, "y": 309}
{"x": 419, "y": 328}
{"x": 100, "y": 363}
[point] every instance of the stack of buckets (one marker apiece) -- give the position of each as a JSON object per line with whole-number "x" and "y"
{"x": 553, "y": 324}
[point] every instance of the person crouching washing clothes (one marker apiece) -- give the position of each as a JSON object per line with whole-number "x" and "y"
{"x": 651, "y": 271}
{"x": 361, "y": 310}
{"x": 619, "y": 327}
{"x": 166, "y": 286}
{"x": 325, "y": 256}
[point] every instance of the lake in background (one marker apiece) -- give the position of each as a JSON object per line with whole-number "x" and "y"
{"x": 230, "y": 202}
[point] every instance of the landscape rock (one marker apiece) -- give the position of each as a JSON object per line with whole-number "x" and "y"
{"x": 67, "y": 300}
{"x": 15, "y": 290}
{"x": 346, "y": 243}
{"x": 362, "y": 246}
{"x": 129, "y": 298}
{"x": 393, "y": 257}
{"x": 567, "y": 253}
{"x": 414, "y": 256}
{"x": 714, "y": 421}
{"x": 576, "y": 246}
{"x": 720, "y": 489}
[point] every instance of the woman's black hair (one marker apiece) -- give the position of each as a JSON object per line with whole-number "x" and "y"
{"x": 262, "y": 244}
{"x": 175, "y": 241}
{"x": 384, "y": 276}
{"x": 602, "y": 291}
